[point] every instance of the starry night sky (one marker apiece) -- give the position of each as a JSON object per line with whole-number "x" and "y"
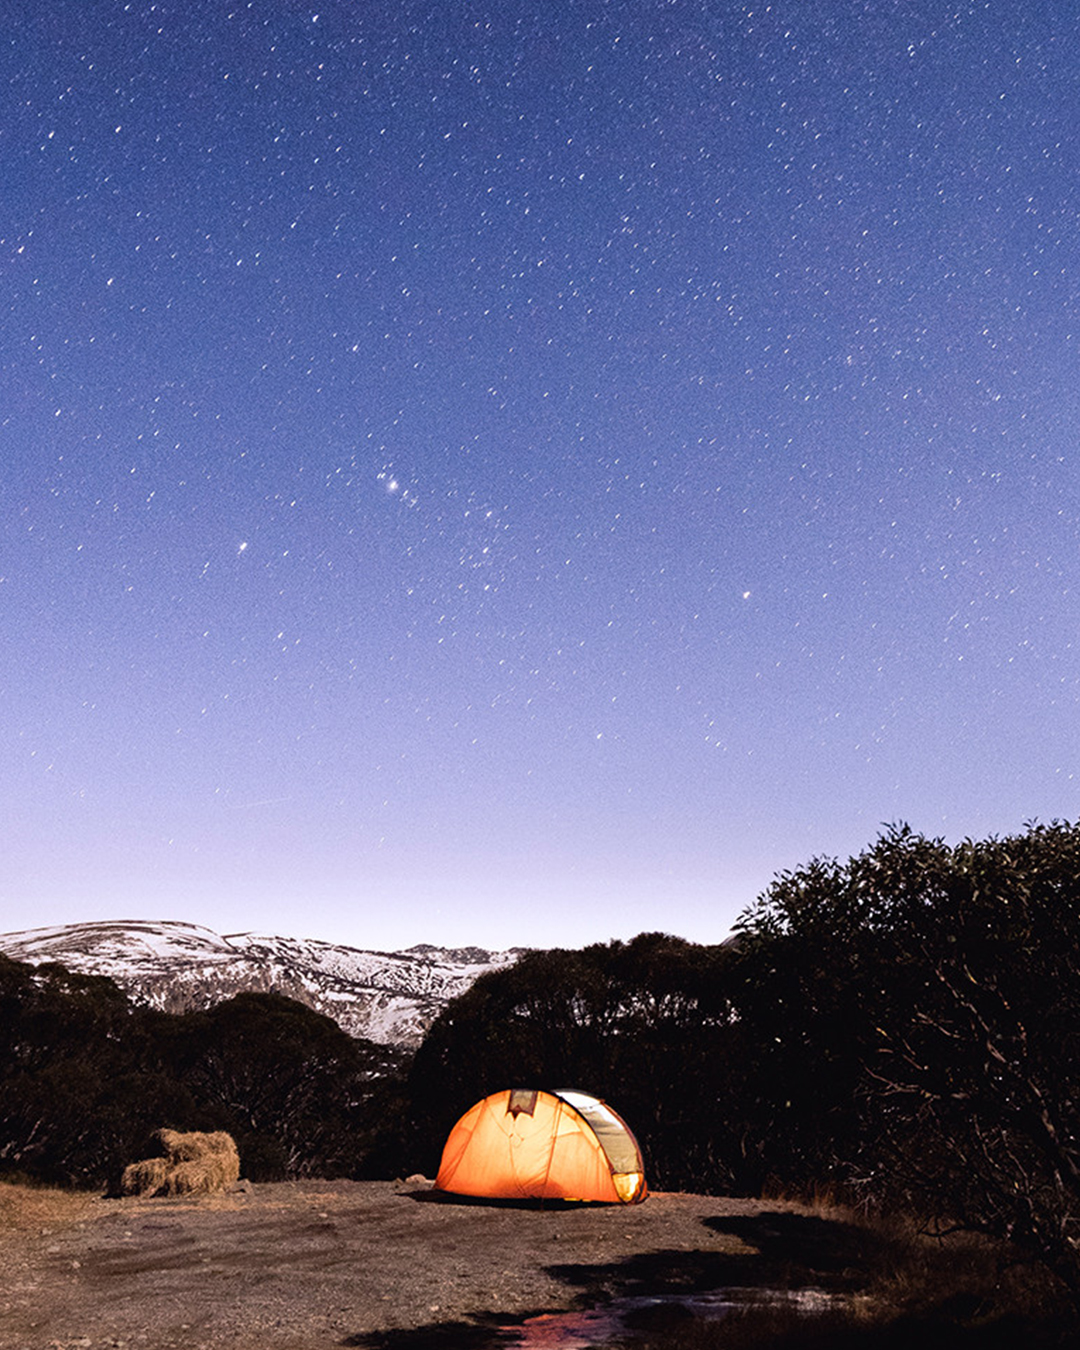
{"x": 525, "y": 473}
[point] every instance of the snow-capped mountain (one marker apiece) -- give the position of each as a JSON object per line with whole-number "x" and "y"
{"x": 389, "y": 997}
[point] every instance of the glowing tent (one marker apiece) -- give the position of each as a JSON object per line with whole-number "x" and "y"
{"x": 560, "y": 1145}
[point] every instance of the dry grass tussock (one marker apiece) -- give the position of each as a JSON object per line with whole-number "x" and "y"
{"x": 193, "y": 1164}
{"x": 36, "y": 1207}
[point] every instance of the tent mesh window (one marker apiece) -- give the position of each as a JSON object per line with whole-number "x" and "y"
{"x": 522, "y": 1102}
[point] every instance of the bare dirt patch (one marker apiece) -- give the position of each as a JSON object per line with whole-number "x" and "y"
{"x": 302, "y": 1265}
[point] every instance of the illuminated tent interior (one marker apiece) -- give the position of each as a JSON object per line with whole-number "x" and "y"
{"x": 560, "y": 1145}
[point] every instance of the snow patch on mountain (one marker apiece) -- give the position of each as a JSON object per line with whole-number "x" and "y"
{"x": 388, "y": 997}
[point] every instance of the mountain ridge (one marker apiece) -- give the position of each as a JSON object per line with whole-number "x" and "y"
{"x": 387, "y": 997}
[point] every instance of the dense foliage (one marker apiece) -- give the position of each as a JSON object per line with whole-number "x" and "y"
{"x": 902, "y": 1026}
{"x": 919, "y": 1004}
{"x": 86, "y": 1077}
{"x": 636, "y": 1023}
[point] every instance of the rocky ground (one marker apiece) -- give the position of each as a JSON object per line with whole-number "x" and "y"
{"x": 302, "y": 1265}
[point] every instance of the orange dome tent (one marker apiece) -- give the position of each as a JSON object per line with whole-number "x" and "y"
{"x": 561, "y": 1145}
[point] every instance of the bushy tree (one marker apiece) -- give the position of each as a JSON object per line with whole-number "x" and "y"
{"x": 296, "y": 1091}
{"x": 640, "y": 1024}
{"x": 928, "y": 998}
{"x": 71, "y": 1054}
{"x": 86, "y": 1077}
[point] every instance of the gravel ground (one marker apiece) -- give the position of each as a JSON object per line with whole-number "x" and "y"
{"x": 301, "y": 1265}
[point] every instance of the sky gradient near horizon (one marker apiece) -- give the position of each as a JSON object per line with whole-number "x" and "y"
{"x": 524, "y": 474}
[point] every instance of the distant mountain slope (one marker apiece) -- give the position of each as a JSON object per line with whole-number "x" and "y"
{"x": 388, "y": 997}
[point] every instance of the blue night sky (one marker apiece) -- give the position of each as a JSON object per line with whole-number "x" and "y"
{"x": 526, "y": 473}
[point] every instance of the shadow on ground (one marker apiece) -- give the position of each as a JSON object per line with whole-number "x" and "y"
{"x": 450, "y": 1199}
{"x": 789, "y": 1252}
{"x": 486, "y": 1331}
{"x": 833, "y": 1254}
